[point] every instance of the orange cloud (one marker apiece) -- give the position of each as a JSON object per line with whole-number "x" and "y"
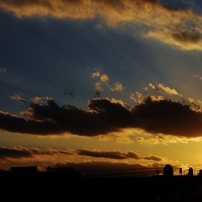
{"x": 179, "y": 27}
{"x": 78, "y": 9}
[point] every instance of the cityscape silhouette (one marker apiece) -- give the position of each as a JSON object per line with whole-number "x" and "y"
{"x": 151, "y": 186}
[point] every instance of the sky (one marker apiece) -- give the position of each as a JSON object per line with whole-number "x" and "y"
{"x": 101, "y": 84}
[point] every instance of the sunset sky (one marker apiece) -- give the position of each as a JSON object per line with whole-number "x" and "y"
{"x": 101, "y": 84}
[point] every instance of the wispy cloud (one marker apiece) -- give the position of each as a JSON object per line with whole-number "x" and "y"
{"x": 182, "y": 39}
{"x": 149, "y": 139}
{"x": 17, "y": 97}
{"x": 168, "y": 90}
{"x": 171, "y": 24}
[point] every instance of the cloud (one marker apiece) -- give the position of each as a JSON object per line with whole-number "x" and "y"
{"x": 116, "y": 155}
{"x": 149, "y": 139}
{"x": 41, "y": 100}
{"x": 168, "y": 90}
{"x": 175, "y": 24}
{"x": 78, "y": 9}
{"x": 136, "y": 97}
{"x": 14, "y": 153}
{"x": 104, "y": 78}
{"x": 160, "y": 91}
{"x": 153, "y": 158}
{"x": 103, "y": 166}
{"x": 106, "y": 116}
{"x": 35, "y": 156}
{"x": 182, "y": 39}
{"x": 21, "y": 152}
{"x": 117, "y": 87}
{"x": 31, "y": 154}
{"x": 168, "y": 117}
{"x": 96, "y": 74}
{"x": 18, "y": 98}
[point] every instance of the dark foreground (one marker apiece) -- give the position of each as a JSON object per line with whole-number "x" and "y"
{"x": 156, "y": 188}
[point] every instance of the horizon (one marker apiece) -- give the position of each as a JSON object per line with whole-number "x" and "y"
{"x": 110, "y": 173}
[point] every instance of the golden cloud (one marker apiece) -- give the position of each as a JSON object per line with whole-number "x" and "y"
{"x": 160, "y": 20}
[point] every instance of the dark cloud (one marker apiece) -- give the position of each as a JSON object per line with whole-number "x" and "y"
{"x": 115, "y": 155}
{"x": 105, "y": 116}
{"x": 14, "y": 153}
{"x": 153, "y": 158}
{"x": 19, "y": 153}
{"x": 101, "y": 154}
{"x": 168, "y": 117}
{"x": 17, "y": 124}
{"x": 110, "y": 166}
{"x": 186, "y": 36}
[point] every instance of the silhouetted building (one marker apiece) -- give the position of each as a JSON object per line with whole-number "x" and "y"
{"x": 190, "y": 172}
{"x": 24, "y": 169}
{"x": 59, "y": 169}
{"x": 180, "y": 171}
{"x": 63, "y": 172}
{"x": 168, "y": 170}
{"x": 200, "y": 173}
